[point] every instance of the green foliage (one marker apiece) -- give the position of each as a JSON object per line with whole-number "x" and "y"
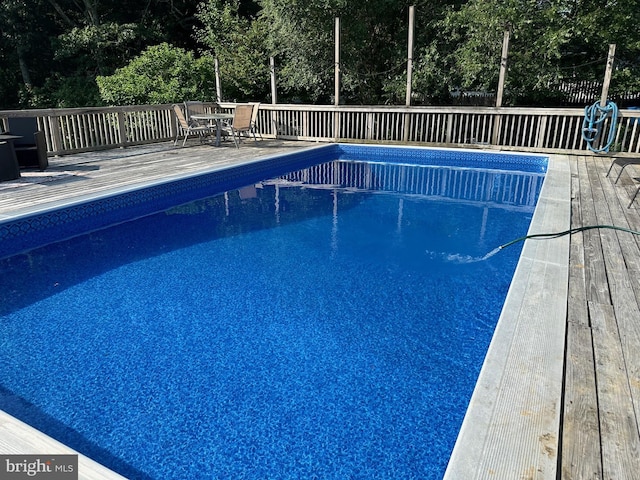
{"x": 99, "y": 47}
{"x": 238, "y": 43}
{"x": 551, "y": 41}
{"x": 52, "y": 51}
{"x": 160, "y": 74}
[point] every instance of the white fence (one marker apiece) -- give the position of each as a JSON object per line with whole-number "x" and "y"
{"x": 528, "y": 129}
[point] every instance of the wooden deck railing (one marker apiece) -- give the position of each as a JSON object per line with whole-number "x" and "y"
{"x": 529, "y": 129}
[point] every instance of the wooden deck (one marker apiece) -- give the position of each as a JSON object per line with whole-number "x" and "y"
{"x": 599, "y": 433}
{"x": 600, "y": 428}
{"x": 73, "y": 177}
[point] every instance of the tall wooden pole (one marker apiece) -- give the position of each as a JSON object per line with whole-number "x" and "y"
{"x": 497, "y": 121}
{"x": 274, "y": 97}
{"x": 410, "y": 55}
{"x": 272, "y": 70}
{"x": 607, "y": 75}
{"x": 216, "y": 68}
{"x": 503, "y": 68}
{"x": 336, "y": 91}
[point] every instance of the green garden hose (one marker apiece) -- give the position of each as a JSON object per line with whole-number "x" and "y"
{"x": 548, "y": 236}
{"x": 536, "y": 236}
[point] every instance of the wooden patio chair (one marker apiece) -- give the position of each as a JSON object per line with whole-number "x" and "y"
{"x": 241, "y": 123}
{"x": 202, "y": 131}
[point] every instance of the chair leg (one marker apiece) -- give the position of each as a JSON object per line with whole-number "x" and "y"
{"x": 186, "y": 135}
{"x": 610, "y": 167}
{"x": 634, "y": 197}
{"x": 236, "y": 141}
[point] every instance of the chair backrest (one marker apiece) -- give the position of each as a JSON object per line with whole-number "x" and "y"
{"x": 180, "y": 116}
{"x": 26, "y": 127}
{"x": 193, "y": 108}
{"x": 242, "y": 117}
{"x": 254, "y": 114}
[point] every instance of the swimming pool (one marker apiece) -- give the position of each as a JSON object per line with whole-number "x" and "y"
{"x": 327, "y": 393}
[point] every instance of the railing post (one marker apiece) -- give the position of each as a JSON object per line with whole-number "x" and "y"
{"x": 449, "y": 135}
{"x": 496, "y": 130}
{"x": 122, "y": 130}
{"x": 370, "y": 126}
{"x": 56, "y": 136}
{"x": 542, "y": 132}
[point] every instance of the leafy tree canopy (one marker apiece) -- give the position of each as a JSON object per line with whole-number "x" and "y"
{"x": 161, "y": 74}
{"x": 53, "y": 51}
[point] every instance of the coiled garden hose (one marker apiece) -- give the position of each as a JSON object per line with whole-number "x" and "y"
{"x": 594, "y": 118}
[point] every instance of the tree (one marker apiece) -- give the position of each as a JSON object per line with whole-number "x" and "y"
{"x": 58, "y": 47}
{"x": 238, "y": 44}
{"x": 549, "y": 40}
{"x": 160, "y": 74}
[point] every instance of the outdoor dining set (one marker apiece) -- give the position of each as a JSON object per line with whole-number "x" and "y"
{"x": 207, "y": 122}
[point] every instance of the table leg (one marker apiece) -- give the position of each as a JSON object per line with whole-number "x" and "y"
{"x": 218, "y": 127}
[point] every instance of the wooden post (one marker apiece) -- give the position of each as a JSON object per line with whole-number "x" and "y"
{"x": 122, "y": 129}
{"x": 56, "y": 136}
{"x": 607, "y": 75}
{"x": 216, "y": 66}
{"x": 497, "y": 121}
{"x": 274, "y": 97}
{"x": 407, "y": 101}
{"x": 336, "y": 92}
{"x": 410, "y": 55}
{"x": 503, "y": 68}
{"x": 272, "y": 69}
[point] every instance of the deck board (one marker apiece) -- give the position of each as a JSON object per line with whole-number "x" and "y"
{"x": 581, "y": 452}
{"x": 600, "y": 436}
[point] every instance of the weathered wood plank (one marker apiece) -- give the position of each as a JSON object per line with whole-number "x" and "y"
{"x": 597, "y": 289}
{"x": 619, "y": 428}
{"x": 581, "y": 450}
{"x": 577, "y": 300}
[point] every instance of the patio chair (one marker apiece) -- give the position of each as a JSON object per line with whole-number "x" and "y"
{"x": 193, "y": 108}
{"x": 254, "y": 120}
{"x": 241, "y": 122}
{"x": 623, "y": 163}
{"x": 201, "y": 131}
{"x": 31, "y": 149}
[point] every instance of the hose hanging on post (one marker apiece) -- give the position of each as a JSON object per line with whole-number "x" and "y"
{"x": 594, "y": 119}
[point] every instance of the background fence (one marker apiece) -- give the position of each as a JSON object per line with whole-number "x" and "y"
{"x": 527, "y": 129}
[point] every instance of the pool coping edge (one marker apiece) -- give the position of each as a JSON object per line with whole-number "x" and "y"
{"x": 511, "y": 426}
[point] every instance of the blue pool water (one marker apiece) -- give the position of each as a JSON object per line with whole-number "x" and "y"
{"x": 330, "y": 323}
